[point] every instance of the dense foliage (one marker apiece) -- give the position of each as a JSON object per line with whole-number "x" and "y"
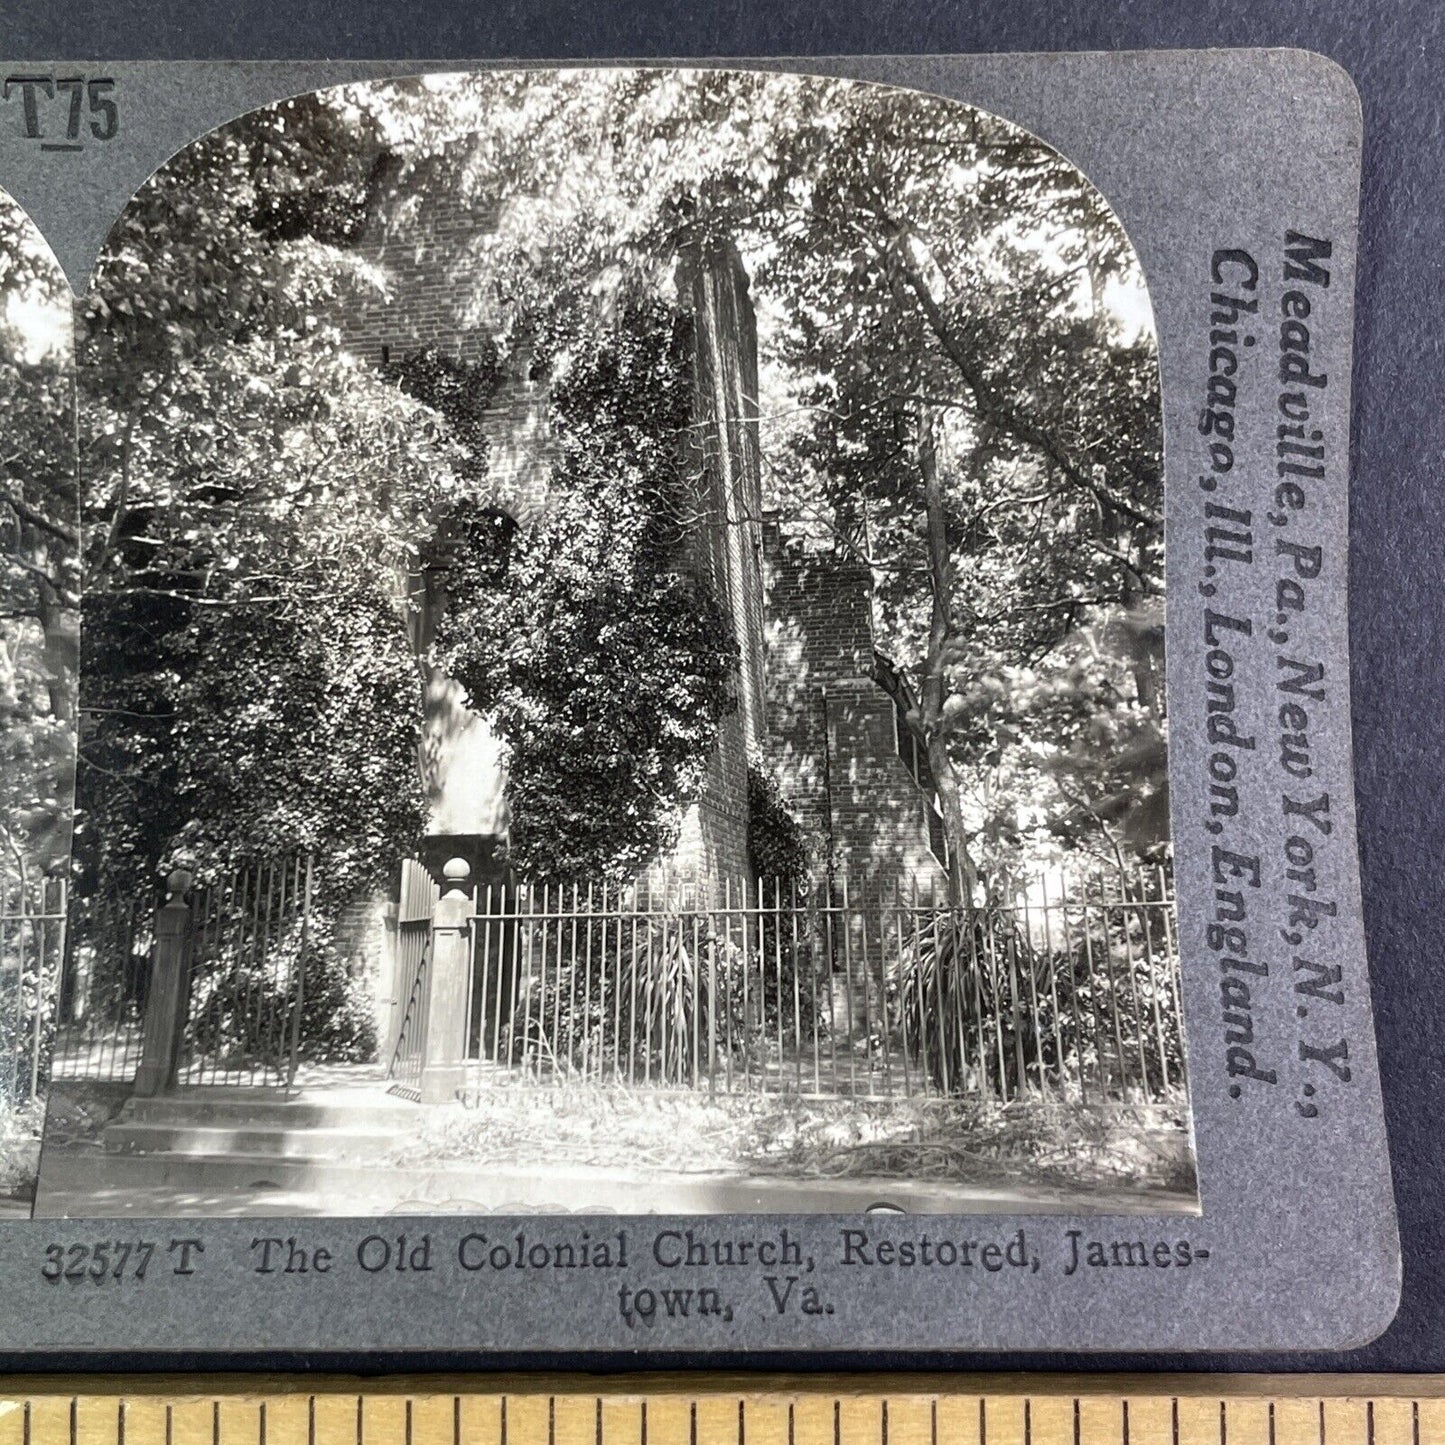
{"x": 605, "y": 662}
{"x": 960, "y": 386}
{"x": 460, "y": 392}
{"x": 777, "y": 844}
{"x": 254, "y": 497}
{"x": 39, "y": 554}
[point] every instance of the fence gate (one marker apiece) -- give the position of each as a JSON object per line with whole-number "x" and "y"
{"x": 100, "y": 1014}
{"x": 246, "y": 992}
{"x": 406, "y": 1048}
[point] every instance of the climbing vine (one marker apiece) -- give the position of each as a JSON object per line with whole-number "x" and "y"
{"x": 777, "y": 845}
{"x": 604, "y": 661}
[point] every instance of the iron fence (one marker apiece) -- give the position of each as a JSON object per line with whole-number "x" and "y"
{"x": 100, "y": 1012}
{"x": 247, "y": 943}
{"x": 1067, "y": 988}
{"x": 249, "y": 946}
{"x": 406, "y": 1047}
{"x": 32, "y": 946}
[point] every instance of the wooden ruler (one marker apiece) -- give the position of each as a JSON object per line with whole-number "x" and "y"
{"x": 726, "y": 1410}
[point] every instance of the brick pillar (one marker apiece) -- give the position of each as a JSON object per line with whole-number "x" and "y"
{"x": 169, "y": 992}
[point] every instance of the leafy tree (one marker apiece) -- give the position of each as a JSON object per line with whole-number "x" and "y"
{"x": 985, "y": 429}
{"x": 254, "y": 502}
{"x": 39, "y": 564}
{"x": 959, "y": 392}
{"x": 962, "y": 386}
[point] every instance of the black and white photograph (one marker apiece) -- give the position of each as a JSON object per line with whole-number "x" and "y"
{"x": 621, "y": 669}
{"x": 39, "y": 642}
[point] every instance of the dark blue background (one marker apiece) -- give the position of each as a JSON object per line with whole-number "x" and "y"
{"x": 1394, "y": 51}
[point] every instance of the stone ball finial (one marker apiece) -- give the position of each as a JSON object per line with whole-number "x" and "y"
{"x": 178, "y": 882}
{"x": 456, "y": 870}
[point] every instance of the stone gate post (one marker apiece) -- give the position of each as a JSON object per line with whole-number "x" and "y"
{"x": 444, "y": 1059}
{"x": 168, "y": 994}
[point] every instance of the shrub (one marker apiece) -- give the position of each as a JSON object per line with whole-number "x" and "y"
{"x": 987, "y": 1008}
{"x": 244, "y": 1002}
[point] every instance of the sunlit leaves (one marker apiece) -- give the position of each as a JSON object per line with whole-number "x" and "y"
{"x": 255, "y": 498}
{"x": 605, "y": 664}
{"x": 39, "y": 556}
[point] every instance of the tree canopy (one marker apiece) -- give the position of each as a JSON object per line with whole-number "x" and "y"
{"x": 254, "y": 500}
{"x": 264, "y": 508}
{"x": 960, "y": 386}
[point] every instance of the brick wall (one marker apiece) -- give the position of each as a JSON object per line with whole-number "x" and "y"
{"x": 726, "y": 543}
{"x": 831, "y": 728}
{"x": 437, "y": 289}
{"x": 363, "y": 938}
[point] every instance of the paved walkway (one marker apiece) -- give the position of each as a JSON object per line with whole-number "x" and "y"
{"x": 325, "y": 1150}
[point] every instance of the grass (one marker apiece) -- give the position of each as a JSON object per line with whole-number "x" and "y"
{"x": 932, "y": 1141}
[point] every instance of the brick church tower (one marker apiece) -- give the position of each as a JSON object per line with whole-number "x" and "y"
{"x": 847, "y": 764}
{"x": 439, "y": 293}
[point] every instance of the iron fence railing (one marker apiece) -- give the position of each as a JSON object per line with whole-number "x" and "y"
{"x": 411, "y": 944}
{"x": 1066, "y": 988}
{"x": 246, "y": 949}
{"x": 101, "y": 1007}
{"x": 249, "y": 946}
{"x": 32, "y": 946}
